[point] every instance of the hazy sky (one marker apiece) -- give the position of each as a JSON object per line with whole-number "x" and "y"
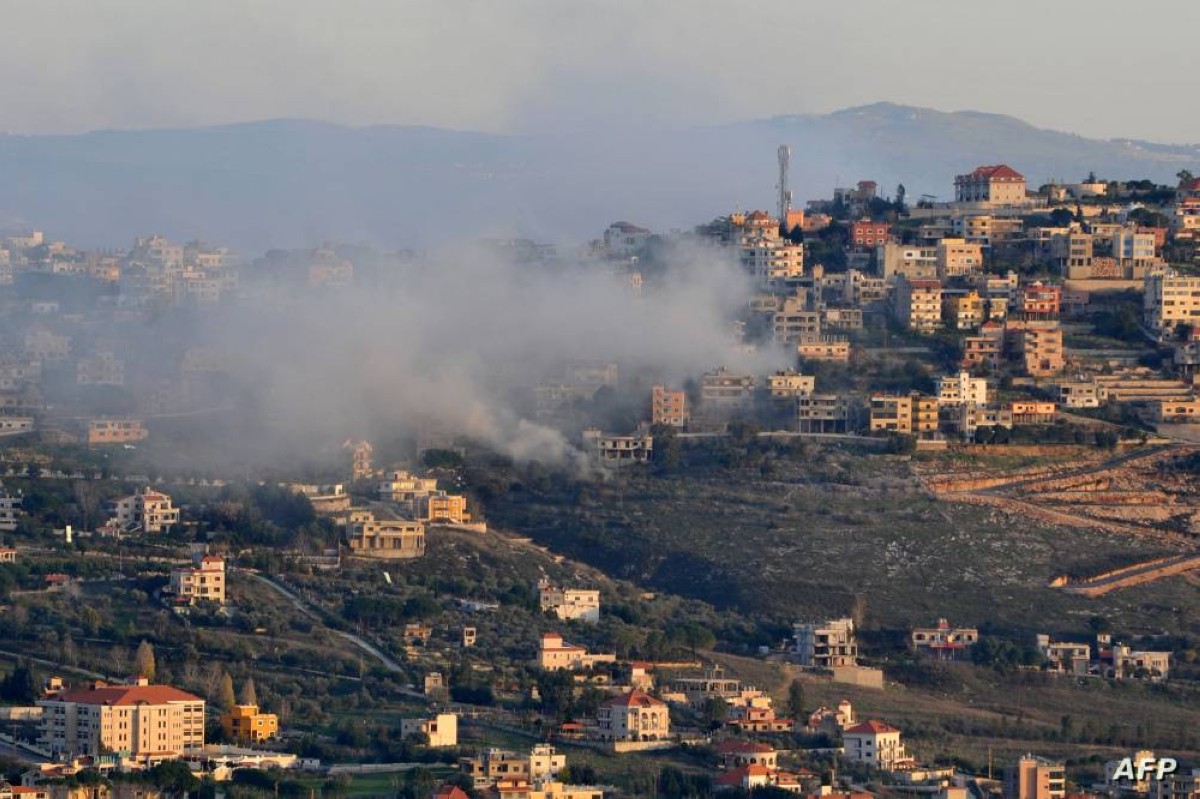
{"x": 1096, "y": 67}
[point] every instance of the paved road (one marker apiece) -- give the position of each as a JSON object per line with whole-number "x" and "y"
{"x": 366, "y": 646}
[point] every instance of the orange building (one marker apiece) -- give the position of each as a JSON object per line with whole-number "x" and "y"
{"x": 668, "y": 407}
{"x": 246, "y": 723}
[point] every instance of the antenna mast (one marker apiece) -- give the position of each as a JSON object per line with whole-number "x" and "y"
{"x": 785, "y": 194}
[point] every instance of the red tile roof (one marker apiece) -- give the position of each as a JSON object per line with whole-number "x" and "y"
{"x": 997, "y": 171}
{"x": 450, "y": 792}
{"x": 872, "y": 727}
{"x": 126, "y": 695}
{"x": 635, "y": 698}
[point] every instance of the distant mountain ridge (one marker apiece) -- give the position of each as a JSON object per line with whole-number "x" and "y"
{"x": 291, "y": 183}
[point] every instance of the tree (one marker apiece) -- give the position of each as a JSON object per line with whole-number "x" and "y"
{"x": 20, "y": 685}
{"x": 225, "y": 697}
{"x": 249, "y": 695}
{"x": 900, "y": 207}
{"x": 174, "y": 778}
{"x": 715, "y": 712}
{"x": 795, "y": 699}
{"x": 143, "y": 661}
{"x": 1185, "y": 176}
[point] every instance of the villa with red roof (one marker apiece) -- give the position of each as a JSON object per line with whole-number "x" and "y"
{"x": 747, "y": 753}
{"x": 147, "y": 511}
{"x": 205, "y": 581}
{"x": 993, "y": 185}
{"x": 875, "y": 744}
{"x": 137, "y": 720}
{"x": 635, "y": 716}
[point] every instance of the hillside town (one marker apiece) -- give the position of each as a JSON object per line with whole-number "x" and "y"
{"x": 392, "y": 639}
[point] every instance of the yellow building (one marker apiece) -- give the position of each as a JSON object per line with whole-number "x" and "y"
{"x": 787, "y": 385}
{"x": 384, "y": 538}
{"x": 964, "y": 311}
{"x": 824, "y": 348}
{"x": 441, "y": 730}
{"x": 114, "y": 431}
{"x": 247, "y": 723}
{"x": 442, "y": 508}
{"x": 911, "y": 414}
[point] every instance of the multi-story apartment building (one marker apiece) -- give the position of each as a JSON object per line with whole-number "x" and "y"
{"x": 570, "y": 603}
{"x": 361, "y": 453}
{"x": 205, "y": 581}
{"x": 1082, "y": 394}
{"x": 142, "y": 721}
{"x": 102, "y": 369}
{"x": 958, "y": 257}
{"x": 1038, "y": 346}
{"x": 793, "y": 322}
{"x": 248, "y": 724}
{"x": 785, "y": 386}
{"x": 826, "y": 645}
{"x": 370, "y": 537}
{"x": 824, "y": 348}
{"x": 912, "y": 262}
{"x": 542, "y": 763}
{"x": 1071, "y": 252}
{"x": 723, "y": 388}
{"x": 876, "y": 744}
{"x": 985, "y": 350}
{"x": 944, "y": 641}
{"x": 773, "y": 262}
{"x": 1035, "y": 778}
{"x": 635, "y": 716}
{"x": 114, "y": 431}
{"x": 986, "y": 229}
{"x": 993, "y": 185}
{"x": 918, "y": 304}
{"x": 962, "y": 388}
{"x": 440, "y": 729}
{"x": 147, "y": 511}
{"x": 1039, "y": 301}
{"x": 1177, "y": 786}
{"x": 1171, "y": 299}
{"x": 964, "y": 311}
{"x": 439, "y": 507}
{"x": 668, "y": 407}
{"x": 911, "y": 414}
{"x": 866, "y": 233}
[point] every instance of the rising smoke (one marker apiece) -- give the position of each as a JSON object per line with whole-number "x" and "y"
{"x": 452, "y": 342}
